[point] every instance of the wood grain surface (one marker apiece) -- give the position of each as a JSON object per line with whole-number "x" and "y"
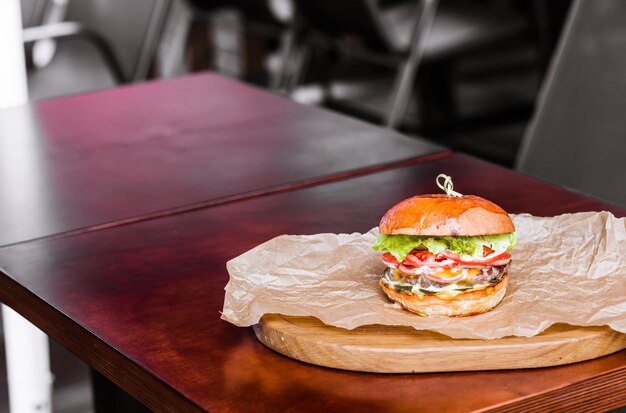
{"x": 378, "y": 349}
{"x": 119, "y": 154}
{"x": 140, "y": 303}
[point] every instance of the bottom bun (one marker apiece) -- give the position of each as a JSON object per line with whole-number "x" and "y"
{"x": 463, "y": 304}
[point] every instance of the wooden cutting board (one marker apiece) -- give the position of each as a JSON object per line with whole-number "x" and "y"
{"x": 387, "y": 349}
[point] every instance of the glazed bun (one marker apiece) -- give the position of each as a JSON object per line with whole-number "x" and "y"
{"x": 463, "y": 304}
{"x": 444, "y": 215}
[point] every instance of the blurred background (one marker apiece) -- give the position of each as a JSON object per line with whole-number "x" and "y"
{"x": 463, "y": 73}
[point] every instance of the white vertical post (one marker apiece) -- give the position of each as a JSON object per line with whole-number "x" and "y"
{"x": 28, "y": 364}
{"x": 12, "y": 67}
{"x": 28, "y": 361}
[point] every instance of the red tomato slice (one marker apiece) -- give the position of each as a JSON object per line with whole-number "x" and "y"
{"x": 447, "y": 259}
{"x": 420, "y": 258}
{"x": 503, "y": 256}
{"x": 389, "y": 259}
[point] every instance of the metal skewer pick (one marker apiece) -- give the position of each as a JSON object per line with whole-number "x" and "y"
{"x": 447, "y": 185}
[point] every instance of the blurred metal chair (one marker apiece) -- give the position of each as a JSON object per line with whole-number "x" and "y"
{"x": 408, "y": 34}
{"x": 363, "y": 17}
{"x": 241, "y": 35}
{"x": 577, "y": 136}
{"x": 102, "y": 43}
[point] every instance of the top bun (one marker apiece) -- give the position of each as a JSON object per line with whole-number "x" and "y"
{"x": 444, "y": 215}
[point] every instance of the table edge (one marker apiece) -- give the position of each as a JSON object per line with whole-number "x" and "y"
{"x": 92, "y": 350}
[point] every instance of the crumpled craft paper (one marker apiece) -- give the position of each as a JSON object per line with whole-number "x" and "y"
{"x": 565, "y": 269}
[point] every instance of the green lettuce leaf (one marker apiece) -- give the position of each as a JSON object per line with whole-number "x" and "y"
{"x": 400, "y": 245}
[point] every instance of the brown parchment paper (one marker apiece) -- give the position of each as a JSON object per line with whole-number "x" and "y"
{"x": 570, "y": 269}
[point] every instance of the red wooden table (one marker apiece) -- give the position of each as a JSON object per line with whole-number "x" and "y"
{"x": 140, "y": 303}
{"x": 98, "y": 160}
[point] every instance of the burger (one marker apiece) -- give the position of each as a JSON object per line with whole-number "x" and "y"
{"x": 446, "y": 255}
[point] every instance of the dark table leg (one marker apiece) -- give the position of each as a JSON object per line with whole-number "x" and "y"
{"x": 108, "y": 398}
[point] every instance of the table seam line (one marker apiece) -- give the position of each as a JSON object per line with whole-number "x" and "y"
{"x": 245, "y": 196}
